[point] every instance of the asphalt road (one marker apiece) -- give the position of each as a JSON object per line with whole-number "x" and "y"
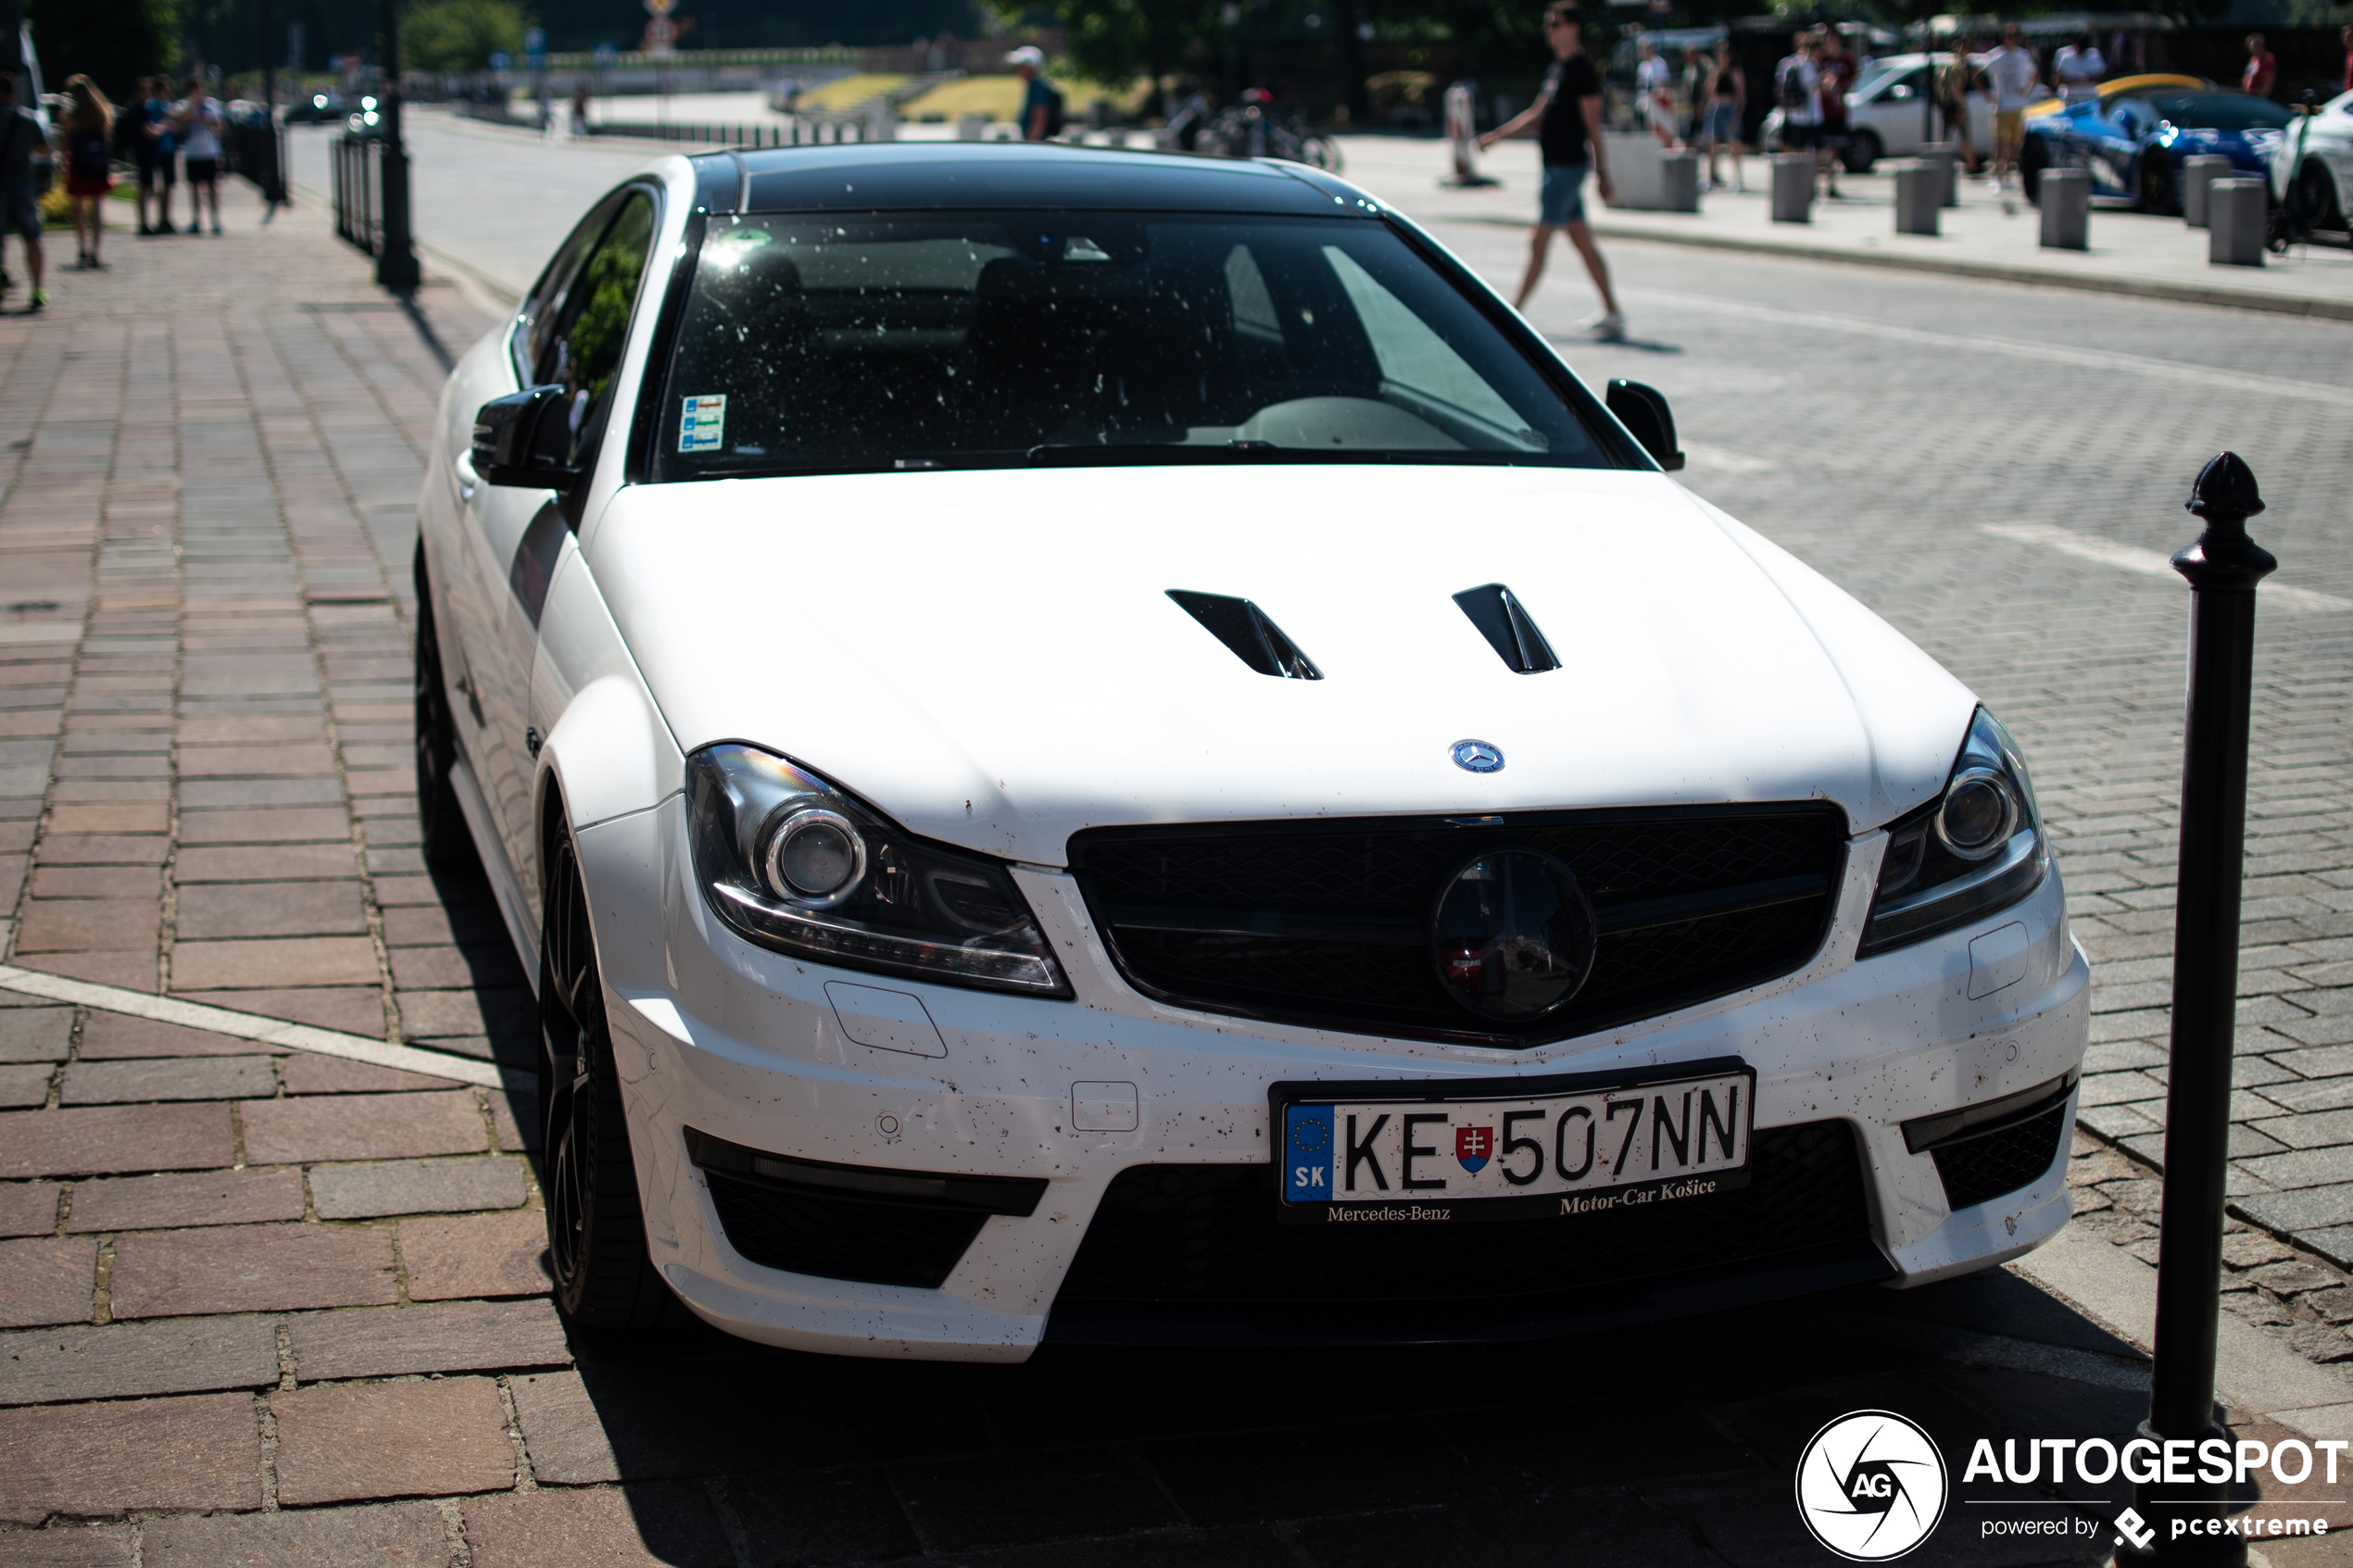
{"x": 1999, "y": 471}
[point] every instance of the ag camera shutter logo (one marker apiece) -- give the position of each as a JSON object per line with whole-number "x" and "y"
{"x": 1871, "y": 1485}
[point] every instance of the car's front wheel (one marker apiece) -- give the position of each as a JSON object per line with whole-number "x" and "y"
{"x": 596, "y": 1230}
{"x": 2032, "y": 158}
{"x": 2313, "y": 200}
{"x": 1863, "y": 150}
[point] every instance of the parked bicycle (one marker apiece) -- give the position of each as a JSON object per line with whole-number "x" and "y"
{"x": 1256, "y": 127}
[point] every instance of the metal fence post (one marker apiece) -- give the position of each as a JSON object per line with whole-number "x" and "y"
{"x": 2223, "y": 568}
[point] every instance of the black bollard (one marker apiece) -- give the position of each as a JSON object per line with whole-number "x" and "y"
{"x": 395, "y": 260}
{"x": 2223, "y": 568}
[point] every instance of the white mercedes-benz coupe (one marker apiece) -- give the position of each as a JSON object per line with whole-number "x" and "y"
{"x": 1107, "y": 748}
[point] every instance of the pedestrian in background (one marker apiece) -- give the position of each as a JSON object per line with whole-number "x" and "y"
{"x": 2079, "y": 66}
{"x": 1727, "y": 100}
{"x": 1041, "y": 107}
{"x": 579, "y": 109}
{"x": 196, "y": 121}
{"x": 2262, "y": 72}
{"x": 160, "y": 169}
{"x": 1653, "y": 86}
{"x": 1835, "y": 69}
{"x": 2345, "y": 36}
{"x": 87, "y": 131}
{"x": 2013, "y": 73}
{"x": 1797, "y": 88}
{"x": 1566, "y": 117}
{"x": 1955, "y": 78}
{"x": 21, "y": 143}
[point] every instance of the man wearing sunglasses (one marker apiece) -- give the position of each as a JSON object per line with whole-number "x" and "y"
{"x": 1567, "y": 119}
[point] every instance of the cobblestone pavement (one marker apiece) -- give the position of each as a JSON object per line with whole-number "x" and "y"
{"x": 256, "y": 1297}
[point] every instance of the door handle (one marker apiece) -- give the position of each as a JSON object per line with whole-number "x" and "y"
{"x": 463, "y": 467}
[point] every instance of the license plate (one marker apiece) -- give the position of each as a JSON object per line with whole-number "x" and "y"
{"x": 1591, "y": 1144}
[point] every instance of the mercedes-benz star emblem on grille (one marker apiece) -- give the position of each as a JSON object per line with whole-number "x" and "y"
{"x": 1478, "y": 756}
{"x": 1513, "y": 934}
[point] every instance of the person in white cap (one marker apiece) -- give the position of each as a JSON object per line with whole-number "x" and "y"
{"x": 1041, "y": 105}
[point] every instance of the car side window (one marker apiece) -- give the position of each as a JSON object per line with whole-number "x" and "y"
{"x": 589, "y": 330}
{"x": 535, "y": 324}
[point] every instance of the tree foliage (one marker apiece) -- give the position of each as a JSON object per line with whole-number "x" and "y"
{"x": 1115, "y": 42}
{"x": 460, "y": 34}
{"x": 115, "y": 44}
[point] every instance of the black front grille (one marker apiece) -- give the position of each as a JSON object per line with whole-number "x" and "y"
{"x": 1980, "y": 1169}
{"x": 842, "y": 1237}
{"x": 1326, "y": 924}
{"x": 1186, "y": 1251}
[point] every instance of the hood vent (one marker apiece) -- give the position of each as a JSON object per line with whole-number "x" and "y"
{"x": 1244, "y": 628}
{"x": 1508, "y": 629}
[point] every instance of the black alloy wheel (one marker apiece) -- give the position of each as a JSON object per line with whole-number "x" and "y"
{"x": 2311, "y": 201}
{"x": 2157, "y": 194}
{"x": 442, "y": 819}
{"x": 596, "y": 1230}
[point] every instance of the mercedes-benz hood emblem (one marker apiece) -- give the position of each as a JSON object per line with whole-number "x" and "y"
{"x": 1477, "y": 757}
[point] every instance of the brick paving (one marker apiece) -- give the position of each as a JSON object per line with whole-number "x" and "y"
{"x": 255, "y": 1304}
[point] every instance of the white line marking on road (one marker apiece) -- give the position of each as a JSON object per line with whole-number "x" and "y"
{"x": 250, "y": 1026}
{"x": 2147, "y": 563}
{"x": 2018, "y": 348}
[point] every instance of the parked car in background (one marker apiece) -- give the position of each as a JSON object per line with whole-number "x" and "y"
{"x": 2134, "y": 142}
{"x": 318, "y": 108}
{"x": 1884, "y": 112}
{"x": 2312, "y": 167}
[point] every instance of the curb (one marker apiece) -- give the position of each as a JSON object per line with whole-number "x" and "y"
{"x": 1989, "y": 271}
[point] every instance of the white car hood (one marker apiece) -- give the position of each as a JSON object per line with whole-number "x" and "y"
{"x": 991, "y": 658}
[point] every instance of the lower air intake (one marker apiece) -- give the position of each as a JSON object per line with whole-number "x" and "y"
{"x": 1194, "y": 1252}
{"x": 842, "y": 1237}
{"x": 1982, "y": 1169}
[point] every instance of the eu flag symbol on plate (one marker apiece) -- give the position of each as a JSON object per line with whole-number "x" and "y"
{"x": 1308, "y": 1153}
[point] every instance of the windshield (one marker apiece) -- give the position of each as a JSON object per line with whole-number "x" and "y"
{"x": 825, "y": 343}
{"x": 2221, "y": 111}
{"x": 1880, "y": 70}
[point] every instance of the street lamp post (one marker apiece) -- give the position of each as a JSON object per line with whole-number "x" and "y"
{"x": 2223, "y": 568}
{"x": 396, "y": 259}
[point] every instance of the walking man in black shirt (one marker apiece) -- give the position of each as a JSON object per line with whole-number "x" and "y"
{"x": 1569, "y": 117}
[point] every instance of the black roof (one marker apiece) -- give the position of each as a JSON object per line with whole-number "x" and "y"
{"x": 881, "y": 176}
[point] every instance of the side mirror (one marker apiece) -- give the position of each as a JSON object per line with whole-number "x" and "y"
{"x": 524, "y": 439}
{"x": 1647, "y": 419}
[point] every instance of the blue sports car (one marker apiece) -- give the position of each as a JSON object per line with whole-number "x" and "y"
{"x": 2134, "y": 142}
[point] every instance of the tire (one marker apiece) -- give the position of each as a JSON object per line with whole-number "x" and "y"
{"x": 596, "y": 1229}
{"x": 446, "y": 841}
{"x": 2157, "y": 192}
{"x": 1320, "y": 152}
{"x": 2032, "y": 158}
{"x": 1863, "y": 150}
{"x": 2313, "y": 200}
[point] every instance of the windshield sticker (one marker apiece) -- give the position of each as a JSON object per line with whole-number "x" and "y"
{"x": 702, "y": 424}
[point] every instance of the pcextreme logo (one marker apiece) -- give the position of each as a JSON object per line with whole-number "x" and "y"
{"x": 1871, "y": 1485}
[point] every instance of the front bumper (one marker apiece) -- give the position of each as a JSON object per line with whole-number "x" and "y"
{"x": 745, "y": 1045}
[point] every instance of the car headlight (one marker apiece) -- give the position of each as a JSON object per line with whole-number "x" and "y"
{"x": 1977, "y": 848}
{"x": 790, "y": 863}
